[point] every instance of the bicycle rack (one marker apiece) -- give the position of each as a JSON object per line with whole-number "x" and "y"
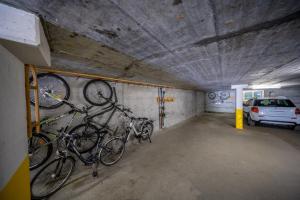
{"x": 30, "y": 69}
{"x": 35, "y": 69}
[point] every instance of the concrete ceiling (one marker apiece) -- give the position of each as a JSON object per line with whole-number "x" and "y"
{"x": 207, "y": 44}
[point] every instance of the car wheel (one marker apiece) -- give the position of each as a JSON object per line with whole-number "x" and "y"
{"x": 250, "y": 122}
{"x": 293, "y": 127}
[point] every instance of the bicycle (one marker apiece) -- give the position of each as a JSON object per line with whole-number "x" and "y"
{"x": 40, "y": 145}
{"x": 54, "y": 175}
{"x": 142, "y": 127}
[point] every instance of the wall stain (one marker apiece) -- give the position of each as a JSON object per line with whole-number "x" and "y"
{"x": 177, "y": 2}
{"x": 100, "y": 52}
{"x": 110, "y": 48}
{"x": 253, "y": 28}
{"x": 73, "y": 35}
{"x": 108, "y": 33}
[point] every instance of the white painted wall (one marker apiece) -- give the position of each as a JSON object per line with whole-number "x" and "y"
{"x": 13, "y": 138}
{"x": 228, "y": 106}
{"x": 292, "y": 93}
{"x": 214, "y": 102}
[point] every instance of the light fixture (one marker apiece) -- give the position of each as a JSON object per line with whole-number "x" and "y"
{"x": 266, "y": 86}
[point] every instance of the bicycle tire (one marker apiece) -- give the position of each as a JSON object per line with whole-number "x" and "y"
{"x": 95, "y": 133}
{"x": 147, "y": 133}
{"x": 44, "y": 179}
{"x": 49, "y": 149}
{"x": 105, "y": 148}
{"x": 54, "y": 77}
{"x": 211, "y": 95}
{"x": 224, "y": 95}
{"x": 100, "y": 101}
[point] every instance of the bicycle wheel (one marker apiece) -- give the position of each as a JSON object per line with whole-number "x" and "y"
{"x": 39, "y": 150}
{"x": 51, "y": 177}
{"x": 112, "y": 151}
{"x": 224, "y": 95}
{"x": 87, "y": 137}
{"x": 52, "y": 84}
{"x": 211, "y": 95}
{"x": 147, "y": 131}
{"x": 95, "y": 90}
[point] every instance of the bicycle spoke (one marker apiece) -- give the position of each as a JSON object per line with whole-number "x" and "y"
{"x": 51, "y": 177}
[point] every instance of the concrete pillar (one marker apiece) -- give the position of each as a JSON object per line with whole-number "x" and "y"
{"x": 22, "y": 41}
{"x": 14, "y": 165}
{"x": 22, "y": 34}
{"x": 239, "y": 105}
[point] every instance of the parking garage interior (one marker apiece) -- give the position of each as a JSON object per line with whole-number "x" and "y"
{"x": 200, "y": 98}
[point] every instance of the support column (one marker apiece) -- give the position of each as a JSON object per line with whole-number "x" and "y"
{"x": 239, "y": 105}
{"x": 22, "y": 41}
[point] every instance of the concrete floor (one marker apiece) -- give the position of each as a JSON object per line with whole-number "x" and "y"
{"x": 205, "y": 158}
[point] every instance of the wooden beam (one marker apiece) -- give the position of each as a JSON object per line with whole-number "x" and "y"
{"x": 36, "y": 99}
{"x": 27, "y": 96}
{"x": 96, "y": 76}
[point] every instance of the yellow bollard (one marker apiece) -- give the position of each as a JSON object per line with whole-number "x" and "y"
{"x": 239, "y": 118}
{"x": 239, "y": 105}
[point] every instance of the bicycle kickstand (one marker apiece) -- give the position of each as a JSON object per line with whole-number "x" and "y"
{"x": 149, "y": 138}
{"x": 94, "y": 167}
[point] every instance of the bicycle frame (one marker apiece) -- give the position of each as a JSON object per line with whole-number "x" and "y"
{"x": 132, "y": 126}
{"x": 91, "y": 120}
{"x": 112, "y": 107}
{"x": 71, "y": 146}
{"x": 48, "y": 121}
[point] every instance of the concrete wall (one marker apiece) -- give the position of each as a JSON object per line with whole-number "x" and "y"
{"x": 220, "y": 101}
{"x": 141, "y": 100}
{"x": 14, "y": 165}
{"x": 292, "y": 93}
{"x": 228, "y": 106}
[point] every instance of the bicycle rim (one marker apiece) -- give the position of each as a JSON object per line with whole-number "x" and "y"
{"x": 51, "y": 177}
{"x": 53, "y": 84}
{"x": 147, "y": 131}
{"x": 112, "y": 151}
{"x": 39, "y": 150}
{"x": 94, "y": 88}
{"x": 88, "y": 137}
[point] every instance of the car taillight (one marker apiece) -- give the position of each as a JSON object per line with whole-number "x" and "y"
{"x": 255, "y": 109}
{"x": 297, "y": 111}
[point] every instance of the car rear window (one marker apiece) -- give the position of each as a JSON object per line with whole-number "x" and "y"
{"x": 274, "y": 103}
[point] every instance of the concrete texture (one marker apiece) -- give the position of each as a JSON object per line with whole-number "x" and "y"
{"x": 291, "y": 93}
{"x": 141, "y": 100}
{"x": 204, "y": 158}
{"x": 23, "y": 35}
{"x": 215, "y": 103}
{"x": 13, "y": 136}
{"x": 207, "y": 44}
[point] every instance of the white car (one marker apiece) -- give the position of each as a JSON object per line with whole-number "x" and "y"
{"x": 279, "y": 111}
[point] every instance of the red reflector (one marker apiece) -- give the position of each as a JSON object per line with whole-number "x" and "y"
{"x": 297, "y": 111}
{"x": 255, "y": 109}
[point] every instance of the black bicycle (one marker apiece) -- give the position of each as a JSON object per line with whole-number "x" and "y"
{"x": 54, "y": 175}
{"x": 40, "y": 146}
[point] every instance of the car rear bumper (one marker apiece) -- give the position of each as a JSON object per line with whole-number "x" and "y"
{"x": 276, "y": 120}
